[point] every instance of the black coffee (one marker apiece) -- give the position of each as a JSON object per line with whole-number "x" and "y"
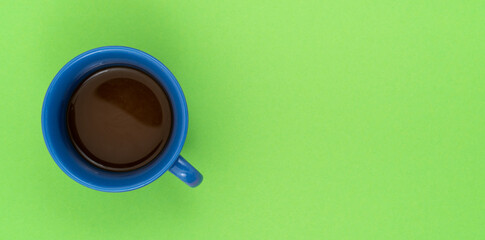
{"x": 119, "y": 119}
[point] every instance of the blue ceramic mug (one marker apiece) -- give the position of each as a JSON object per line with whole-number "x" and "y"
{"x": 56, "y": 136}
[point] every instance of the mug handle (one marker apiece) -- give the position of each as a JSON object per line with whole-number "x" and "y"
{"x": 186, "y": 172}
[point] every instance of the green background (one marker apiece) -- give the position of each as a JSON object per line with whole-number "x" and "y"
{"x": 309, "y": 119}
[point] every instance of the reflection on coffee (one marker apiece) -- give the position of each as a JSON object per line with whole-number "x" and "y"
{"x": 119, "y": 119}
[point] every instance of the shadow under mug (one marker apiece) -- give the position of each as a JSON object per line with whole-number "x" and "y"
{"x": 56, "y": 136}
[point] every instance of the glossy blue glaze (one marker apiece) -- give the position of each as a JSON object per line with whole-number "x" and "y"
{"x": 57, "y": 140}
{"x": 186, "y": 172}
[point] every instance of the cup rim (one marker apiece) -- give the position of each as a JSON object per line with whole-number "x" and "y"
{"x": 163, "y": 76}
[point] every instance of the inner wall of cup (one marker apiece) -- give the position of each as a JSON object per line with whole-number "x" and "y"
{"x": 66, "y": 155}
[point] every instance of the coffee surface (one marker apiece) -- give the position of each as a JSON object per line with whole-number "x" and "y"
{"x": 119, "y": 119}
